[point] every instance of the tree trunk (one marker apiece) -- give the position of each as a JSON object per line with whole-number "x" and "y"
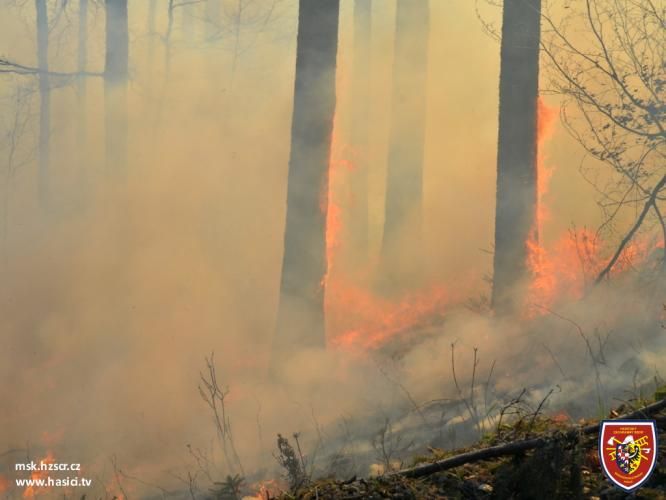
{"x": 44, "y": 101}
{"x": 515, "y": 217}
{"x": 300, "y": 321}
{"x": 81, "y": 87}
{"x": 115, "y": 85}
{"x": 187, "y": 15}
{"x": 401, "y": 243}
{"x": 360, "y": 127}
{"x": 212, "y": 20}
{"x": 152, "y": 13}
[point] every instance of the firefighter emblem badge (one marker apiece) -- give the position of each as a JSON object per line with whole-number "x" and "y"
{"x": 628, "y": 451}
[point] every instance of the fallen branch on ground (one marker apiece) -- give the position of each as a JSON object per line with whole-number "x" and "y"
{"x": 516, "y": 447}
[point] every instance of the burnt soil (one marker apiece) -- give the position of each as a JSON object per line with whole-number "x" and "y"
{"x": 566, "y": 467}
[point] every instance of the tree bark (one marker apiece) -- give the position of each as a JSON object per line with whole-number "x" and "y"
{"x": 44, "y": 101}
{"x": 360, "y": 126}
{"x": 300, "y": 321}
{"x": 115, "y": 85}
{"x": 516, "y": 202}
{"x": 401, "y": 242}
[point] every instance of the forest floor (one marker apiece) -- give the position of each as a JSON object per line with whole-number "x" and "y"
{"x": 535, "y": 458}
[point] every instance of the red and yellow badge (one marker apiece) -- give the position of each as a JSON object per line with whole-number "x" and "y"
{"x": 628, "y": 451}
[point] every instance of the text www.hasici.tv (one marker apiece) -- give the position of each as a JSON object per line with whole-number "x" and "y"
{"x": 40, "y": 475}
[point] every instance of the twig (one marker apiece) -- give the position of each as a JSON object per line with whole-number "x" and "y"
{"x": 408, "y": 395}
{"x": 7, "y": 66}
{"x": 648, "y": 204}
{"x": 116, "y": 473}
{"x": 538, "y": 410}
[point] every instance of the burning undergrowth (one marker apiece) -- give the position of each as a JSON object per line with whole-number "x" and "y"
{"x": 437, "y": 375}
{"x": 108, "y": 322}
{"x": 457, "y": 384}
{"x": 403, "y": 372}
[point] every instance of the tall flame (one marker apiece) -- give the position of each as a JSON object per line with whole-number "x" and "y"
{"x": 567, "y": 268}
{"x": 357, "y": 318}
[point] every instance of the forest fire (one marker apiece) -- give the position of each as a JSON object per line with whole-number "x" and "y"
{"x": 571, "y": 265}
{"x": 32, "y": 491}
{"x": 353, "y": 226}
{"x": 4, "y": 484}
{"x": 543, "y": 285}
{"x": 340, "y": 162}
{"x": 269, "y": 488}
{"x": 359, "y": 318}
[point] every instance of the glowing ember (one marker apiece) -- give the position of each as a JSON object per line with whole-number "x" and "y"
{"x": 267, "y": 489}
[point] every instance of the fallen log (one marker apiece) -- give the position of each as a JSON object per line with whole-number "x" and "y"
{"x": 516, "y": 447}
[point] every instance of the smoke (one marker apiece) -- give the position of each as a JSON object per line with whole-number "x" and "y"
{"x": 115, "y": 294}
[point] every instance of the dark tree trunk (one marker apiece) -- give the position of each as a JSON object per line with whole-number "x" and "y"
{"x": 401, "y": 243}
{"x": 115, "y": 85}
{"x": 81, "y": 84}
{"x": 360, "y": 125}
{"x": 44, "y": 100}
{"x": 300, "y": 321}
{"x": 515, "y": 217}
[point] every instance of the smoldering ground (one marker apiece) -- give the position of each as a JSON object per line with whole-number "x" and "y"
{"x": 114, "y": 294}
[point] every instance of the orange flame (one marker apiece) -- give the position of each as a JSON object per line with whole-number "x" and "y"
{"x": 546, "y": 116}
{"x": 364, "y": 321}
{"x": 269, "y": 488}
{"x": 4, "y": 484}
{"x": 357, "y": 319}
{"x": 572, "y": 264}
{"x": 32, "y": 491}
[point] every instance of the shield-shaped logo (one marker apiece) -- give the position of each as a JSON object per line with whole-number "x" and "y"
{"x": 628, "y": 451}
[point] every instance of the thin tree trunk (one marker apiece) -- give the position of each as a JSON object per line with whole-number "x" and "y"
{"x": 300, "y": 321}
{"x": 401, "y": 244}
{"x": 4, "y": 225}
{"x": 167, "y": 41}
{"x": 187, "y": 22}
{"x": 115, "y": 85}
{"x": 82, "y": 138}
{"x": 44, "y": 101}
{"x": 212, "y": 19}
{"x": 152, "y": 12}
{"x": 360, "y": 126}
{"x": 237, "y": 38}
{"x": 515, "y": 216}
